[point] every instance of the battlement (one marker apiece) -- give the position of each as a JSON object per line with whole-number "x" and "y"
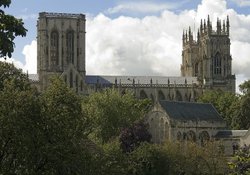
{"x": 60, "y": 15}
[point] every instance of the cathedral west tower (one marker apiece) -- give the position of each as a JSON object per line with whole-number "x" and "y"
{"x": 208, "y": 58}
{"x": 61, "y": 48}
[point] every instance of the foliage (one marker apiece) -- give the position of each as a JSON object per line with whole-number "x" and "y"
{"x": 131, "y": 137}
{"x": 224, "y": 102}
{"x": 42, "y": 134}
{"x": 240, "y": 163}
{"x": 8, "y": 72}
{"x": 190, "y": 159}
{"x": 63, "y": 127}
{"x": 10, "y": 27}
{"x": 108, "y": 112}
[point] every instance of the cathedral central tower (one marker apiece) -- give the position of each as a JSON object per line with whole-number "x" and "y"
{"x": 208, "y": 58}
{"x": 61, "y": 48}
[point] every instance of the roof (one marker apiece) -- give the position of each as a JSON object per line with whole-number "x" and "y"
{"x": 93, "y": 79}
{"x": 190, "y": 111}
{"x": 61, "y": 15}
{"x": 230, "y": 133}
{"x": 33, "y": 77}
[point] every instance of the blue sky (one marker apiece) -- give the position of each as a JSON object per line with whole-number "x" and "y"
{"x": 140, "y": 37}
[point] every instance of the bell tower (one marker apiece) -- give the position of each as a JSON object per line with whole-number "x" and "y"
{"x": 61, "y": 48}
{"x": 208, "y": 58}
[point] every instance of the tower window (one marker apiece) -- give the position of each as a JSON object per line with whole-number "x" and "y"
{"x": 217, "y": 64}
{"x": 196, "y": 69}
{"x": 54, "y": 48}
{"x": 71, "y": 79}
{"x": 70, "y": 47}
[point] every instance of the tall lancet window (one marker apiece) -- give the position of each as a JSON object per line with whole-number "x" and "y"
{"x": 54, "y": 48}
{"x": 70, "y": 46}
{"x": 217, "y": 64}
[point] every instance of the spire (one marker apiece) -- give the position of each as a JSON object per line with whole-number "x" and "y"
{"x": 209, "y": 27}
{"x": 198, "y": 36}
{"x": 224, "y": 27}
{"x": 190, "y": 36}
{"x": 218, "y": 26}
{"x": 201, "y": 27}
{"x": 186, "y": 36}
{"x": 183, "y": 37}
{"x": 228, "y": 25}
{"x": 205, "y": 27}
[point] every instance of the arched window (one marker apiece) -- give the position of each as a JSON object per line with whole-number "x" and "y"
{"x": 217, "y": 64}
{"x": 143, "y": 94}
{"x": 204, "y": 137}
{"x": 191, "y": 136}
{"x": 71, "y": 79}
{"x": 196, "y": 69}
{"x": 178, "y": 96}
{"x": 54, "y": 48}
{"x": 161, "y": 96}
{"x": 81, "y": 85}
{"x": 70, "y": 46}
{"x": 76, "y": 83}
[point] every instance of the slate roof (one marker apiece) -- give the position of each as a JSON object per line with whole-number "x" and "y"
{"x": 190, "y": 111}
{"x": 93, "y": 79}
{"x": 230, "y": 133}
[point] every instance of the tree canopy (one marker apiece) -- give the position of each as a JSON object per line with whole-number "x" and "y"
{"x": 10, "y": 28}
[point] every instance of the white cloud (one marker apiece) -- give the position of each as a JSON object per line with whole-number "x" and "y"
{"x": 152, "y": 45}
{"x": 142, "y": 7}
{"x": 242, "y": 3}
{"x": 30, "y": 52}
{"x": 30, "y": 64}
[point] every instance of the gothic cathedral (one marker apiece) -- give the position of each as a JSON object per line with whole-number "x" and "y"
{"x": 206, "y": 62}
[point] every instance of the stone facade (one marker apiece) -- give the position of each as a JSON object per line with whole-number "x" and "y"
{"x": 208, "y": 58}
{"x": 206, "y": 63}
{"x": 61, "y": 49}
{"x": 180, "y": 121}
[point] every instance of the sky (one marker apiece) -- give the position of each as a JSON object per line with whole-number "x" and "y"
{"x": 136, "y": 37}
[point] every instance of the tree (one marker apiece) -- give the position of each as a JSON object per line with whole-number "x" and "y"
{"x": 64, "y": 149}
{"x": 8, "y": 72}
{"x": 131, "y": 137}
{"x": 224, "y": 102}
{"x": 10, "y": 27}
{"x": 19, "y": 122}
{"x": 240, "y": 163}
{"x": 109, "y": 111}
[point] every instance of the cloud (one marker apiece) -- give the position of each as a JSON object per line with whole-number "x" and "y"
{"x": 242, "y": 3}
{"x": 152, "y": 45}
{"x": 30, "y": 52}
{"x": 142, "y": 7}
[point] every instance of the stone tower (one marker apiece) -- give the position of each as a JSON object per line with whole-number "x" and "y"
{"x": 208, "y": 57}
{"x": 61, "y": 48}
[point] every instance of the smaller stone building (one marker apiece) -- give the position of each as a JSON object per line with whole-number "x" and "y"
{"x": 178, "y": 121}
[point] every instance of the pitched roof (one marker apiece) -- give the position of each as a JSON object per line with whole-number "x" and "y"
{"x": 190, "y": 111}
{"x": 93, "y": 79}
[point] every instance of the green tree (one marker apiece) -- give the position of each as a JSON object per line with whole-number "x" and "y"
{"x": 10, "y": 27}
{"x": 108, "y": 112}
{"x": 8, "y": 72}
{"x": 242, "y": 114}
{"x": 65, "y": 146}
{"x": 19, "y": 122}
{"x": 224, "y": 102}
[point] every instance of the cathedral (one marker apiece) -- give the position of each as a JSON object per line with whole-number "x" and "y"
{"x": 206, "y": 65}
{"x": 206, "y": 62}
